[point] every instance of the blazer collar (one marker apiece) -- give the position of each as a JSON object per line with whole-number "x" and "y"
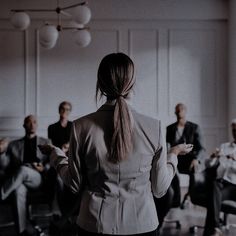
{"x": 186, "y": 124}
{"x": 106, "y": 107}
{"x": 111, "y": 107}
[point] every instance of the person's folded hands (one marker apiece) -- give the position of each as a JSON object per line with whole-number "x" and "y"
{"x": 3, "y": 145}
{"x": 46, "y": 149}
{"x": 181, "y": 149}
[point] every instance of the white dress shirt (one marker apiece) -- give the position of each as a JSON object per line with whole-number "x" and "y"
{"x": 227, "y": 162}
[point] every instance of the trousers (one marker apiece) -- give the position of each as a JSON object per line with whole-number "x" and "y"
{"x": 218, "y": 191}
{"x": 25, "y": 178}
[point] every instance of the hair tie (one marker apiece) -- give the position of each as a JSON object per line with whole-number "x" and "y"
{"x": 121, "y": 96}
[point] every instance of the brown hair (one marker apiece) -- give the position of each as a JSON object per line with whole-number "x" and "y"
{"x": 115, "y": 80}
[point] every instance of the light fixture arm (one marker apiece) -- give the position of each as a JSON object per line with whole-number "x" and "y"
{"x": 57, "y": 10}
{"x": 33, "y": 10}
{"x": 71, "y": 28}
{"x": 74, "y": 5}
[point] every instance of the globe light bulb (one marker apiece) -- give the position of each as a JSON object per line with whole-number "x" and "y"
{"x": 48, "y": 36}
{"x": 20, "y": 20}
{"x": 81, "y": 14}
{"x": 83, "y": 38}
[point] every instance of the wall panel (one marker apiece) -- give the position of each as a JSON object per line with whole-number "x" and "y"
{"x": 143, "y": 48}
{"x": 13, "y": 67}
{"x": 192, "y": 71}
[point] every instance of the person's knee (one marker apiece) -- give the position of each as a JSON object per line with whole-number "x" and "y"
{"x": 22, "y": 171}
{"x": 21, "y": 191}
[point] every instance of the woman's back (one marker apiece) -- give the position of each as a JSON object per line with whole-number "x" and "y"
{"x": 117, "y": 197}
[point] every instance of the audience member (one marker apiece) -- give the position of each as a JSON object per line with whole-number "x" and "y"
{"x": 25, "y": 168}
{"x": 59, "y": 133}
{"x": 182, "y": 131}
{"x": 117, "y": 159}
{"x": 223, "y": 186}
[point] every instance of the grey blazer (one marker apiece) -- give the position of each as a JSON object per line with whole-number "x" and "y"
{"x": 14, "y": 156}
{"x": 116, "y": 198}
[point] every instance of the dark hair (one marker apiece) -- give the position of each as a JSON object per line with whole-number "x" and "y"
{"x": 28, "y": 118}
{"x": 63, "y": 104}
{"x": 181, "y": 105}
{"x": 115, "y": 80}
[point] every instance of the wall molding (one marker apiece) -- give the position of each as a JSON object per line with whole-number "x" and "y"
{"x": 26, "y": 61}
{"x": 215, "y": 78}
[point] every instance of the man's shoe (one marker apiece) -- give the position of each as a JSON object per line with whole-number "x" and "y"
{"x": 39, "y": 230}
{"x": 217, "y": 232}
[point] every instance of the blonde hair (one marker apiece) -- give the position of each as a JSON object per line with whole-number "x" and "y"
{"x": 115, "y": 80}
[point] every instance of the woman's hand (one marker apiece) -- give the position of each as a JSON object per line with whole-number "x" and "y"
{"x": 216, "y": 153}
{"x": 3, "y": 145}
{"x": 65, "y": 147}
{"x": 38, "y": 166}
{"x": 46, "y": 149}
{"x": 181, "y": 149}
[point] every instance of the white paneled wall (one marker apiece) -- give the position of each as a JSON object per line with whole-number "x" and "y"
{"x": 176, "y": 61}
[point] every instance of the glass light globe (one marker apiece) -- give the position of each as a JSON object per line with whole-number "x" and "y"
{"x": 20, "y": 20}
{"x": 48, "y": 45}
{"x": 48, "y": 34}
{"x": 81, "y": 14}
{"x": 83, "y": 38}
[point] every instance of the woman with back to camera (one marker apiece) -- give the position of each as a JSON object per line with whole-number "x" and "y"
{"x": 117, "y": 159}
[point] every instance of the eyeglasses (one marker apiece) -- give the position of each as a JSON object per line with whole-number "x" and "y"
{"x": 65, "y": 109}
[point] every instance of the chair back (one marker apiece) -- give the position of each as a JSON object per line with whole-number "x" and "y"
{"x": 198, "y": 188}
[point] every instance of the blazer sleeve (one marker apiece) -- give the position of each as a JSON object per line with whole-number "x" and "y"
{"x": 164, "y": 167}
{"x": 168, "y": 134}
{"x": 69, "y": 168}
{"x": 45, "y": 158}
{"x": 198, "y": 149}
{"x": 4, "y": 161}
{"x": 50, "y": 135}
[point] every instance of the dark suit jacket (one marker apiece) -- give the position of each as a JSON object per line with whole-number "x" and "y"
{"x": 191, "y": 135}
{"x": 14, "y": 156}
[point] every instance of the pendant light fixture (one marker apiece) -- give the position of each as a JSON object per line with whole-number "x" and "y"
{"x": 49, "y": 33}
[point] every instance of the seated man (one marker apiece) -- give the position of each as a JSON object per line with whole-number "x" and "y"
{"x": 182, "y": 131}
{"x": 25, "y": 168}
{"x": 223, "y": 184}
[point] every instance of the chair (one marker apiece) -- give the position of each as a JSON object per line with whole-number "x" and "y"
{"x": 7, "y": 219}
{"x": 39, "y": 197}
{"x": 170, "y": 200}
{"x": 197, "y": 192}
{"x": 228, "y": 207}
{"x": 175, "y": 187}
{"x": 40, "y": 202}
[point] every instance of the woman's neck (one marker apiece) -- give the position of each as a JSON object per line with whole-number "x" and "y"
{"x": 63, "y": 122}
{"x": 113, "y": 102}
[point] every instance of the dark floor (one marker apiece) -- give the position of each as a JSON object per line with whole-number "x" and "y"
{"x": 188, "y": 217}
